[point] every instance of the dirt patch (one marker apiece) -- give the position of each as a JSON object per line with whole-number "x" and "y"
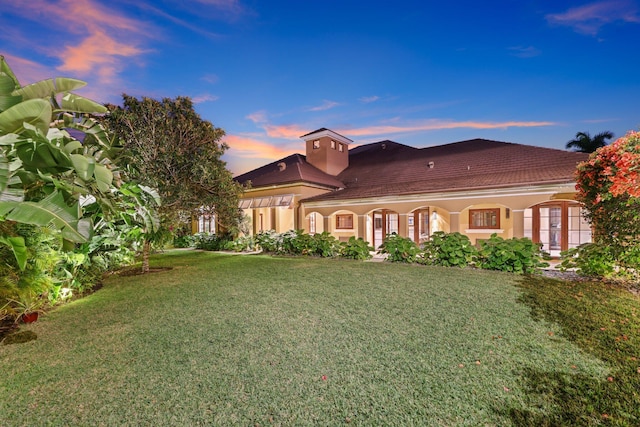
{"x": 137, "y": 271}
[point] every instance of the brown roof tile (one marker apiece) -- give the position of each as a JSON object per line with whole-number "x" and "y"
{"x": 387, "y": 168}
{"x": 296, "y": 169}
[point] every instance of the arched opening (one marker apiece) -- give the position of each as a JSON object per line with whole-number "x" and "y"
{"x": 419, "y": 224}
{"x": 314, "y": 223}
{"x": 558, "y": 225}
{"x": 383, "y": 222}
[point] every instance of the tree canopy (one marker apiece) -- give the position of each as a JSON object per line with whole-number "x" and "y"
{"x": 584, "y": 143}
{"x": 168, "y": 146}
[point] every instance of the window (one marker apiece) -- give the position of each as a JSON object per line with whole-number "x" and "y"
{"x": 316, "y": 144}
{"x": 341, "y": 147}
{"x": 484, "y": 218}
{"x": 333, "y": 144}
{"x": 344, "y": 222}
{"x": 262, "y": 202}
{"x": 312, "y": 223}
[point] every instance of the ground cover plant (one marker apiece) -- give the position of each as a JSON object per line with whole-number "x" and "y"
{"x": 228, "y": 339}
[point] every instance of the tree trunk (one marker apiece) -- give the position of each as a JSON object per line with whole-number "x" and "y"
{"x": 146, "y": 248}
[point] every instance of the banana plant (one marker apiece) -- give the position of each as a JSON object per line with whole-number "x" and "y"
{"x": 45, "y": 172}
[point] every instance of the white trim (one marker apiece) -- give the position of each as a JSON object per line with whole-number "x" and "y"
{"x": 453, "y": 195}
{"x": 327, "y": 132}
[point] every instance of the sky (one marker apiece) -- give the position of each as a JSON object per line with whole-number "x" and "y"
{"x": 421, "y": 73}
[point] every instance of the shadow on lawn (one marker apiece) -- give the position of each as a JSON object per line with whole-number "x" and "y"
{"x": 580, "y": 309}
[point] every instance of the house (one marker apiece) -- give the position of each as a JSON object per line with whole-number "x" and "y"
{"x": 475, "y": 187}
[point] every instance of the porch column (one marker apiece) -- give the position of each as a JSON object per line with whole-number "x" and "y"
{"x": 454, "y": 222}
{"x": 362, "y": 227}
{"x": 326, "y": 223}
{"x": 403, "y": 225}
{"x": 518, "y": 223}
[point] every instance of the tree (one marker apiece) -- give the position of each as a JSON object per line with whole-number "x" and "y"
{"x": 608, "y": 185}
{"x": 168, "y": 146}
{"x": 585, "y": 144}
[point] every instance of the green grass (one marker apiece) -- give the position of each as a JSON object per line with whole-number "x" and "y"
{"x": 255, "y": 340}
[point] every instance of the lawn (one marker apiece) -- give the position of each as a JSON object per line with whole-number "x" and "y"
{"x": 255, "y": 340}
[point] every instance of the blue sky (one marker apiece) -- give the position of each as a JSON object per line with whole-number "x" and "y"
{"x": 420, "y": 73}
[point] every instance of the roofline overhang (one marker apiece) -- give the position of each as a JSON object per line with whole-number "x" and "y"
{"x": 326, "y": 132}
{"x": 289, "y": 185}
{"x": 522, "y": 190}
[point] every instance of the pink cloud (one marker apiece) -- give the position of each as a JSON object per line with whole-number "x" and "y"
{"x": 27, "y": 71}
{"x": 97, "y": 53}
{"x": 437, "y": 125}
{"x": 588, "y": 19}
{"x": 258, "y": 117}
{"x": 326, "y": 105}
{"x": 244, "y": 147}
{"x": 286, "y": 131}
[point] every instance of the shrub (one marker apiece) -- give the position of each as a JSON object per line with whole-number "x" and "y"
{"x": 295, "y": 242}
{"x": 448, "y": 249}
{"x": 325, "y": 245}
{"x": 517, "y": 255}
{"x": 184, "y": 241}
{"x": 603, "y": 260}
{"x": 242, "y": 244}
{"x": 211, "y": 242}
{"x": 400, "y": 249}
{"x": 269, "y": 241}
{"x": 356, "y": 249}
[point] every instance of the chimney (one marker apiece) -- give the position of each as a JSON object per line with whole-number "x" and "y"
{"x": 327, "y": 150}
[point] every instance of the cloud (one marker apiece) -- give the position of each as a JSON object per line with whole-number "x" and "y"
{"x": 27, "y": 71}
{"x": 205, "y": 97}
{"x": 210, "y": 78}
{"x": 90, "y": 39}
{"x": 286, "y": 131}
{"x": 436, "y": 124}
{"x": 97, "y": 54}
{"x": 369, "y": 99}
{"x": 326, "y": 105}
{"x": 258, "y": 117}
{"x": 525, "y": 52}
{"x": 244, "y": 147}
{"x": 588, "y": 19}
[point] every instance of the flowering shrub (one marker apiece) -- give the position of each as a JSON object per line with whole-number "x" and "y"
{"x": 609, "y": 186}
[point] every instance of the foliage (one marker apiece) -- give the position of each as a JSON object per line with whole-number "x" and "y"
{"x": 399, "y": 249}
{"x": 212, "y": 242}
{"x": 242, "y": 244}
{"x": 45, "y": 172}
{"x": 600, "y": 260}
{"x": 24, "y": 290}
{"x": 608, "y": 185}
{"x": 356, "y": 249}
{"x": 448, "y": 249}
{"x": 584, "y": 143}
{"x": 269, "y": 241}
{"x": 184, "y": 241}
{"x": 168, "y": 146}
{"x": 514, "y": 255}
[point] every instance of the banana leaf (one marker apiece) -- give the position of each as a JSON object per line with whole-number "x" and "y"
{"x": 36, "y": 112}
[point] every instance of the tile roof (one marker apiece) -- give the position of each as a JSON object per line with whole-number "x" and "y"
{"x": 296, "y": 169}
{"x": 387, "y": 168}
